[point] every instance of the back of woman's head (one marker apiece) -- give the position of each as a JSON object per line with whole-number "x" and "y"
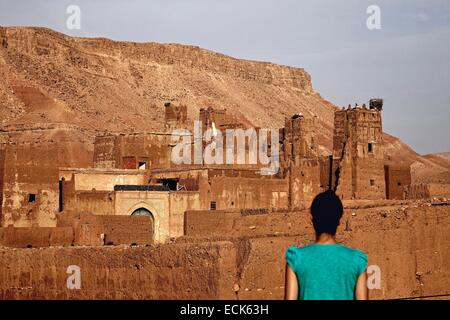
{"x": 326, "y": 211}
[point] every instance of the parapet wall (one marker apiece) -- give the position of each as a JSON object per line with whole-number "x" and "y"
{"x": 428, "y": 191}
{"x": 410, "y": 244}
{"x": 182, "y": 271}
{"x": 36, "y": 237}
{"x": 82, "y": 230}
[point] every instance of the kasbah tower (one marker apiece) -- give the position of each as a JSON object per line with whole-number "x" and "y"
{"x": 358, "y": 152}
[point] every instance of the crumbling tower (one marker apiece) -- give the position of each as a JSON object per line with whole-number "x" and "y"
{"x": 358, "y": 152}
{"x": 300, "y": 160}
{"x": 175, "y": 116}
{"x": 221, "y": 119}
{"x": 299, "y": 138}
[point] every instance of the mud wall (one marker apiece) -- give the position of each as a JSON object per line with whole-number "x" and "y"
{"x": 82, "y": 230}
{"x": 181, "y": 271}
{"x": 30, "y": 189}
{"x": 105, "y": 152}
{"x": 98, "y": 202}
{"x": 2, "y": 172}
{"x": 397, "y": 179}
{"x": 179, "y": 202}
{"x": 126, "y": 151}
{"x": 439, "y": 190}
{"x": 410, "y": 247}
{"x": 87, "y": 191}
{"x": 36, "y": 237}
{"x": 30, "y": 180}
{"x": 410, "y": 244}
{"x": 305, "y": 183}
{"x": 242, "y": 192}
{"x": 234, "y": 189}
{"x": 106, "y": 181}
{"x": 428, "y": 191}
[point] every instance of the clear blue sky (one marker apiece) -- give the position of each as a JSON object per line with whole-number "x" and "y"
{"x": 406, "y": 62}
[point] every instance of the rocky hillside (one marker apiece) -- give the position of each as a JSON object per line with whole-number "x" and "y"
{"x": 52, "y": 84}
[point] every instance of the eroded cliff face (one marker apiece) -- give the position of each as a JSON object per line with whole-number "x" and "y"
{"x": 122, "y": 86}
{"x": 58, "y": 88}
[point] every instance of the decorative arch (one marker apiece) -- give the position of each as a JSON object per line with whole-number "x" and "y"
{"x": 142, "y": 212}
{"x": 154, "y": 215}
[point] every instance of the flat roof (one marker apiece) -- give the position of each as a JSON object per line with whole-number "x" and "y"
{"x": 103, "y": 171}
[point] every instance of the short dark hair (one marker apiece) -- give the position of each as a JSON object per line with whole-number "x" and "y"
{"x": 326, "y": 211}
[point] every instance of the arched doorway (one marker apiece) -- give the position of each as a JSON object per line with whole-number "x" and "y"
{"x": 146, "y": 213}
{"x": 142, "y": 212}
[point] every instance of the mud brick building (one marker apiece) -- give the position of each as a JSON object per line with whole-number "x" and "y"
{"x": 87, "y": 179}
{"x": 133, "y": 174}
{"x": 133, "y": 151}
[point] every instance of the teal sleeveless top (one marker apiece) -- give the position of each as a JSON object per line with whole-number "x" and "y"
{"x": 326, "y": 271}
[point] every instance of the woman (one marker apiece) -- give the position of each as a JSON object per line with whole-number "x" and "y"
{"x": 326, "y": 270}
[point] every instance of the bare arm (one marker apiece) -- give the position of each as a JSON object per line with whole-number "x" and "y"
{"x": 361, "y": 291}
{"x": 291, "y": 285}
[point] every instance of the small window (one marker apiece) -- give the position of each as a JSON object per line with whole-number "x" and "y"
{"x": 370, "y": 147}
{"x": 399, "y": 184}
{"x": 372, "y": 182}
{"x": 31, "y": 197}
{"x": 213, "y": 205}
{"x": 142, "y": 165}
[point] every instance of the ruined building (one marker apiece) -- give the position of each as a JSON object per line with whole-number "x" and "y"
{"x": 300, "y": 160}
